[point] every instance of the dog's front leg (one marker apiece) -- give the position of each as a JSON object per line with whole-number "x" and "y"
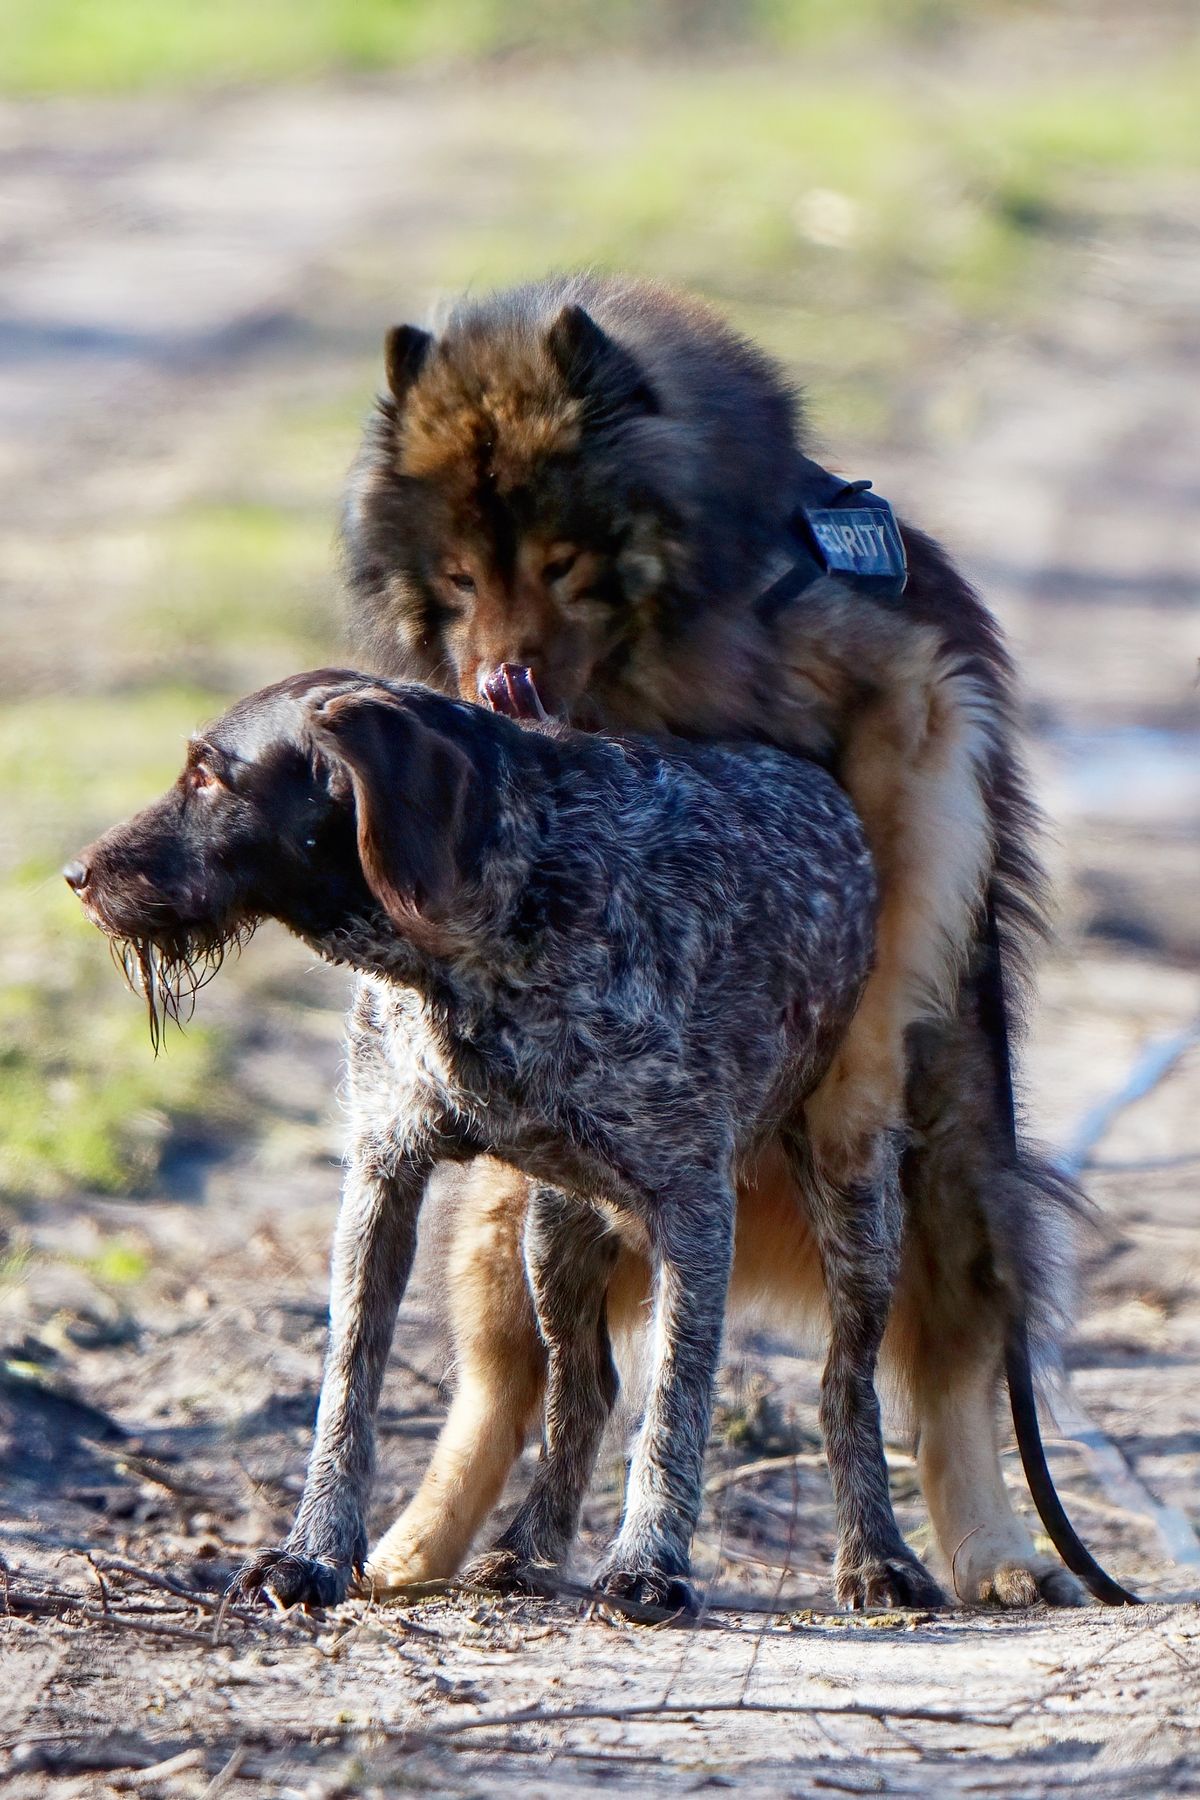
{"x": 691, "y": 1233}
{"x": 372, "y": 1256}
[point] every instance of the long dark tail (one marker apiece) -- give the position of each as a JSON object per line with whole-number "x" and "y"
{"x": 1062, "y": 1533}
{"x": 993, "y": 1017}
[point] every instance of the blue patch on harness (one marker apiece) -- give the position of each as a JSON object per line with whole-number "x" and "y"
{"x": 862, "y": 543}
{"x": 845, "y": 531}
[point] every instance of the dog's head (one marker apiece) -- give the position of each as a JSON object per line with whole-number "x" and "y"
{"x": 324, "y": 800}
{"x": 511, "y": 506}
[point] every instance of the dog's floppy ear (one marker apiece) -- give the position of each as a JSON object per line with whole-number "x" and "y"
{"x": 596, "y": 368}
{"x": 418, "y": 802}
{"x": 404, "y": 352}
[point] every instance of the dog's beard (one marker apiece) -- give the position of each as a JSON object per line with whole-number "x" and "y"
{"x": 169, "y": 970}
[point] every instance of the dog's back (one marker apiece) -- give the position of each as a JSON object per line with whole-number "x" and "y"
{"x": 740, "y": 885}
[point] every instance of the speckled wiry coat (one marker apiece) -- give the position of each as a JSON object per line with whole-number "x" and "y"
{"x": 636, "y": 903}
{"x": 598, "y": 1025}
{"x": 620, "y": 967}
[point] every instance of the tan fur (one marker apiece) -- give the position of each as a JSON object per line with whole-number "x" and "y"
{"x": 501, "y": 1367}
{"x": 911, "y": 764}
{"x": 517, "y": 416}
{"x": 983, "y": 1544}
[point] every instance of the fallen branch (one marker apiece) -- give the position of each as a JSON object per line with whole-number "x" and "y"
{"x": 171, "y": 1584}
{"x": 228, "y": 1772}
{"x": 159, "y": 1771}
{"x": 185, "y": 1633}
{"x": 42, "y": 1604}
{"x": 1121, "y": 1482}
{"x": 56, "y": 1756}
{"x": 1156, "y": 1061}
{"x": 147, "y": 1468}
{"x": 52, "y": 1604}
{"x": 856, "y": 1709}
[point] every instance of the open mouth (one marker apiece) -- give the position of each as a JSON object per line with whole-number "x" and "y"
{"x": 511, "y": 690}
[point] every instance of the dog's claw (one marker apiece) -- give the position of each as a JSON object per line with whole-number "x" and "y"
{"x": 284, "y": 1579}
{"x": 511, "y": 690}
{"x": 648, "y": 1587}
{"x": 888, "y": 1582}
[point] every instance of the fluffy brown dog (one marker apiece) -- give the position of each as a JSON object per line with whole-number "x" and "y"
{"x": 598, "y": 480}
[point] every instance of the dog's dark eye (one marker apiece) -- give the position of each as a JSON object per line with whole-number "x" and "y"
{"x": 559, "y": 566}
{"x": 458, "y": 578}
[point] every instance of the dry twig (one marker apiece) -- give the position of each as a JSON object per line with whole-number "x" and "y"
{"x": 160, "y": 1771}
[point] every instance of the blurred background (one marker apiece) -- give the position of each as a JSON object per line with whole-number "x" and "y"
{"x": 972, "y": 230}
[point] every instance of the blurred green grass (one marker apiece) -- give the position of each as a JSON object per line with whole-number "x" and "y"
{"x": 234, "y": 590}
{"x": 849, "y": 224}
{"x": 73, "y": 46}
{"x": 239, "y": 592}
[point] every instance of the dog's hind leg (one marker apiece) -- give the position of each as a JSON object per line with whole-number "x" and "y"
{"x": 912, "y": 767}
{"x": 372, "y": 1255}
{"x": 501, "y": 1367}
{"x": 858, "y": 1233}
{"x": 691, "y": 1236}
{"x": 985, "y": 1243}
{"x": 988, "y": 1550}
{"x": 570, "y": 1252}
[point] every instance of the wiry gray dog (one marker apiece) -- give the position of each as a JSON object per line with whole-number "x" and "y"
{"x": 618, "y": 966}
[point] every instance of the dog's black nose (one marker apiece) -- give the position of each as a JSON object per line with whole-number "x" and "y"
{"x": 75, "y": 874}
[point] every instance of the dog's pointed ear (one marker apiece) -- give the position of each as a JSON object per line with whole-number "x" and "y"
{"x": 595, "y": 368}
{"x": 405, "y": 349}
{"x": 418, "y": 800}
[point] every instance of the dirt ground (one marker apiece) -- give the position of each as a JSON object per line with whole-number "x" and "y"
{"x": 143, "y": 314}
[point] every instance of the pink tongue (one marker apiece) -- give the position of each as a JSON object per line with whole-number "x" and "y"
{"x": 511, "y": 689}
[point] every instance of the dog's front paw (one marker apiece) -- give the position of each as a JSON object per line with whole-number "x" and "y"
{"x": 505, "y": 1571}
{"x": 286, "y": 1579}
{"x": 1017, "y": 1584}
{"x": 656, "y": 1589}
{"x": 887, "y": 1582}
